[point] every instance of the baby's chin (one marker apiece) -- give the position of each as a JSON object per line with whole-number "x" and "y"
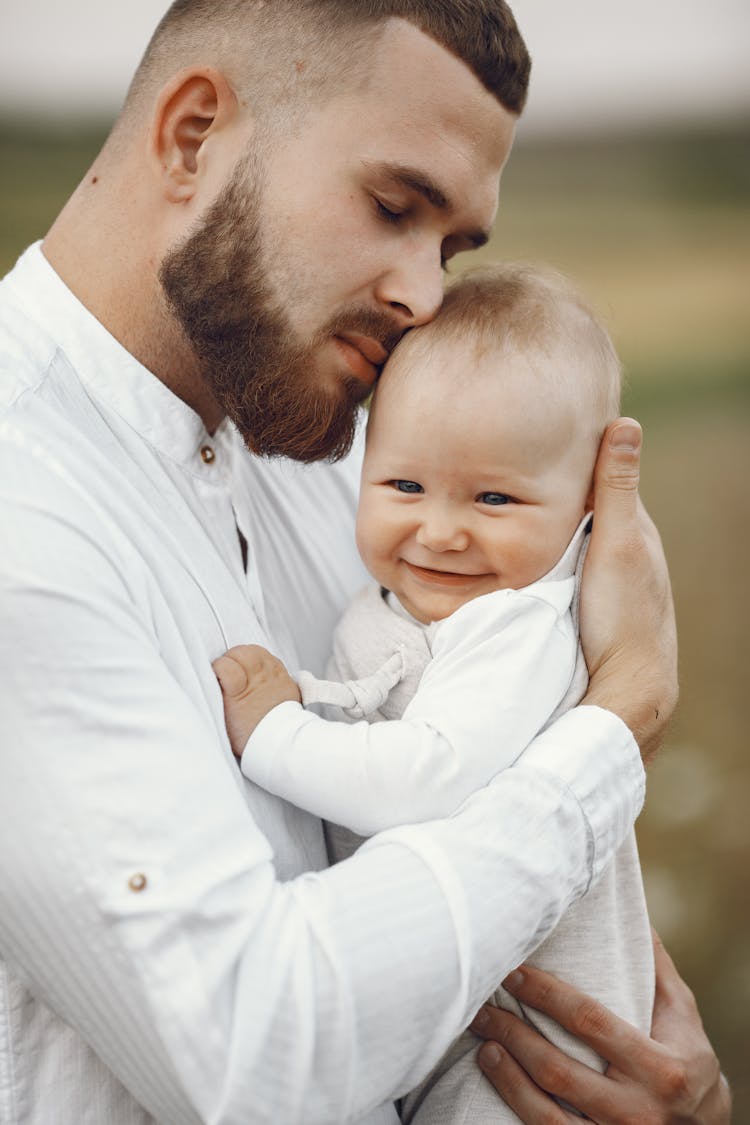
{"x": 441, "y": 603}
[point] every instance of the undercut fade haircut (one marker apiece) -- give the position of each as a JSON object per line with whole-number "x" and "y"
{"x": 283, "y": 52}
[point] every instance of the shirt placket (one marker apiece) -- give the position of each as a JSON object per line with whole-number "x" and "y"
{"x": 213, "y": 466}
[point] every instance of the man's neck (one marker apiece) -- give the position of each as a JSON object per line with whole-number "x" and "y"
{"x": 123, "y": 292}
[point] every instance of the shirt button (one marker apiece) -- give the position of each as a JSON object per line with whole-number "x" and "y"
{"x": 207, "y": 455}
{"x": 137, "y": 883}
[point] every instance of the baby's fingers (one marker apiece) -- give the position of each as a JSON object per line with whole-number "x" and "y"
{"x": 231, "y": 675}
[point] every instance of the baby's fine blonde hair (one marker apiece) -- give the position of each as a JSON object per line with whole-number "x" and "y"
{"x": 513, "y": 308}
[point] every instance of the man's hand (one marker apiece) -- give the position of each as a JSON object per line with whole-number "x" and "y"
{"x": 672, "y": 1078}
{"x": 253, "y": 682}
{"x": 627, "y": 617}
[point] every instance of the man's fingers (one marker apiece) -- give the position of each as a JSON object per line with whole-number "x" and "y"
{"x": 669, "y": 985}
{"x": 516, "y": 1088}
{"x": 540, "y": 1064}
{"x": 672, "y": 1075}
{"x": 614, "y": 1039}
{"x": 616, "y": 476}
{"x": 627, "y": 618}
{"x": 675, "y": 1009}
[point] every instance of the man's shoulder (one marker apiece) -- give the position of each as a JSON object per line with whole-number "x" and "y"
{"x": 41, "y": 401}
{"x": 26, "y": 353}
{"x": 56, "y": 464}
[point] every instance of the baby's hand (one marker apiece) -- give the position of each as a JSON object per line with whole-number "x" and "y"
{"x": 253, "y": 682}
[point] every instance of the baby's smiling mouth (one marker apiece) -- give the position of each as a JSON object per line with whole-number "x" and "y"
{"x": 442, "y": 577}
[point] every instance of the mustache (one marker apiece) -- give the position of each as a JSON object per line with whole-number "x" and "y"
{"x": 366, "y": 322}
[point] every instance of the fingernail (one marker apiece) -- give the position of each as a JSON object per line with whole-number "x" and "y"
{"x": 513, "y": 980}
{"x": 481, "y": 1019}
{"x": 626, "y": 437}
{"x": 489, "y": 1056}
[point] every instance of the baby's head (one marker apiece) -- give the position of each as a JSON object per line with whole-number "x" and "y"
{"x": 482, "y": 439}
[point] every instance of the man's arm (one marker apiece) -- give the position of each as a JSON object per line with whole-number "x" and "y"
{"x": 139, "y": 899}
{"x": 671, "y": 1078}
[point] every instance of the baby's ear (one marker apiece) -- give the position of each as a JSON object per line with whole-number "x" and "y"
{"x": 589, "y": 503}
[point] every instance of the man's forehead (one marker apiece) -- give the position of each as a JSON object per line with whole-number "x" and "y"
{"x": 408, "y": 68}
{"x": 422, "y": 98}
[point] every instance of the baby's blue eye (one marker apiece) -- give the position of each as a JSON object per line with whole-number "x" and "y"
{"x": 494, "y": 498}
{"x": 407, "y": 486}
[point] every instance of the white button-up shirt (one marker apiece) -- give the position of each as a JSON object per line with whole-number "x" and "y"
{"x": 172, "y": 947}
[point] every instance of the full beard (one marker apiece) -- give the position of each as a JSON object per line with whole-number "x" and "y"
{"x": 249, "y": 357}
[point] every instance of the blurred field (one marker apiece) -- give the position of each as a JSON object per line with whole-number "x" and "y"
{"x": 657, "y": 230}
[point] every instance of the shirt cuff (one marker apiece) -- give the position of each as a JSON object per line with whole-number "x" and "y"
{"x": 275, "y": 730}
{"x": 609, "y": 784}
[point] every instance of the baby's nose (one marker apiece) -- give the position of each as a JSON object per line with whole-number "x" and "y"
{"x": 440, "y": 531}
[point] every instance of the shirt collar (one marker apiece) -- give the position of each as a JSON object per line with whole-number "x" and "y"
{"x": 566, "y": 567}
{"x": 111, "y": 374}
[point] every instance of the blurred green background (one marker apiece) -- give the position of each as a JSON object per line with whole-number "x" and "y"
{"x": 656, "y": 228}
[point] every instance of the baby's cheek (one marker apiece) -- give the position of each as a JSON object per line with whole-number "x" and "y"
{"x": 378, "y": 567}
{"x": 372, "y": 543}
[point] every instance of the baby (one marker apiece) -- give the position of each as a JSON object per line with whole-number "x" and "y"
{"x": 474, "y": 507}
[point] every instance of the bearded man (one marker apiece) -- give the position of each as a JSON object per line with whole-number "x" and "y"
{"x": 270, "y": 214}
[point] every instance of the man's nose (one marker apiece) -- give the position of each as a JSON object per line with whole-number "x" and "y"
{"x": 440, "y": 530}
{"x": 413, "y": 286}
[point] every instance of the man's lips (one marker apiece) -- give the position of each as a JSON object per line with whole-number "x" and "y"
{"x": 363, "y": 354}
{"x": 371, "y": 348}
{"x": 441, "y": 577}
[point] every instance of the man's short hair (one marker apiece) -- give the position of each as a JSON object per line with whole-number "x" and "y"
{"x": 291, "y": 49}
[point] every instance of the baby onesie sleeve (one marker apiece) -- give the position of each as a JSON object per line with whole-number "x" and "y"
{"x": 500, "y": 666}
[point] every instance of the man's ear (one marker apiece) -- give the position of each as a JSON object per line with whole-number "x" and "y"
{"x": 193, "y": 106}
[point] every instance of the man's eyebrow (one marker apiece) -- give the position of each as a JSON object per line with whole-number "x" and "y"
{"x": 419, "y": 182}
